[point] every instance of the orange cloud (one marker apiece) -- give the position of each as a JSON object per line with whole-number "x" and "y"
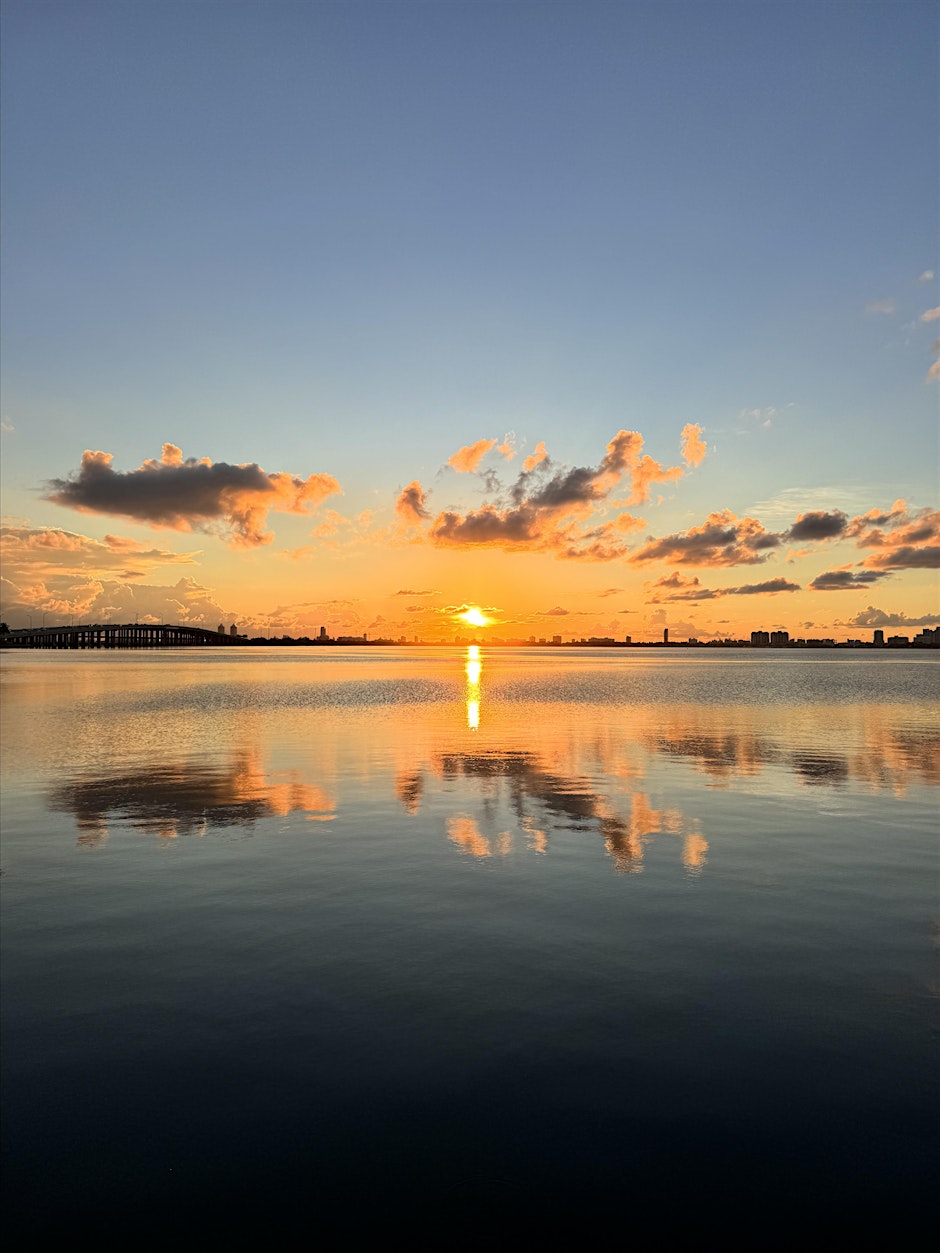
{"x": 722, "y": 540}
{"x": 188, "y": 495}
{"x": 693, "y": 446}
{"x": 903, "y": 540}
{"x": 467, "y": 459}
{"x": 48, "y": 550}
{"x": 411, "y": 504}
{"x": 535, "y": 458}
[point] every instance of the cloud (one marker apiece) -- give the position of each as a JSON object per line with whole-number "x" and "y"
{"x": 902, "y": 540}
{"x": 926, "y": 276}
{"x": 557, "y": 612}
{"x": 933, "y": 373}
{"x": 411, "y": 505}
{"x": 191, "y": 495}
{"x": 407, "y": 592}
{"x": 843, "y": 580}
{"x": 885, "y": 305}
{"x": 535, "y": 457}
{"x": 610, "y": 591}
{"x": 906, "y": 557}
{"x": 507, "y": 448}
{"x": 678, "y": 587}
{"x": 693, "y": 446}
{"x": 781, "y": 507}
{"x": 545, "y": 509}
{"x": 817, "y": 525}
{"x": 110, "y": 600}
{"x": 930, "y": 315}
{"x": 467, "y": 459}
{"x": 764, "y": 417}
{"x": 6, "y": 426}
{"x": 45, "y": 552}
{"x": 872, "y": 617}
{"x": 722, "y": 540}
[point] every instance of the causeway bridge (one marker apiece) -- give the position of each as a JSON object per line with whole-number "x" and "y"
{"x": 115, "y": 635}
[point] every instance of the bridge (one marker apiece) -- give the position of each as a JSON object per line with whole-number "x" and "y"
{"x": 115, "y": 635}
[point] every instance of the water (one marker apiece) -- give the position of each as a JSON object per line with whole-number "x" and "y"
{"x": 524, "y": 940}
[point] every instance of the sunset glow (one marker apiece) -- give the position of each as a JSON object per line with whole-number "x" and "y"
{"x": 474, "y": 617}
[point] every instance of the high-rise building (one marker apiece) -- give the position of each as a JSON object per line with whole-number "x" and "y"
{"x": 760, "y": 639}
{"x": 779, "y": 639}
{"x": 665, "y": 635}
{"x": 878, "y": 638}
{"x": 233, "y": 630}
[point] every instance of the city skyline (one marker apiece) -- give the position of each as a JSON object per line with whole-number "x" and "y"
{"x": 598, "y": 321}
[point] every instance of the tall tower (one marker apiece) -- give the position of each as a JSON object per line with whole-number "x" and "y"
{"x": 221, "y": 628}
{"x": 233, "y": 630}
{"x": 665, "y": 635}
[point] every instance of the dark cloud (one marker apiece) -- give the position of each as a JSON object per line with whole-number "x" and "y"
{"x": 770, "y": 588}
{"x": 906, "y": 557}
{"x": 679, "y": 587}
{"x": 841, "y": 580}
{"x": 722, "y": 540}
{"x": 546, "y": 508}
{"x": 817, "y": 525}
{"x": 187, "y": 495}
{"x": 406, "y": 592}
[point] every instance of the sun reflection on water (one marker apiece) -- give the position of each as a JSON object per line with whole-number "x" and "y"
{"x": 474, "y": 669}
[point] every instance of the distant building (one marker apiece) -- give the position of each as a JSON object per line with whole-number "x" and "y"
{"x": 556, "y": 639}
{"x": 628, "y": 639}
{"x": 221, "y": 628}
{"x": 779, "y": 639}
{"x": 898, "y": 641}
{"x": 665, "y": 635}
{"x": 928, "y": 638}
{"x": 878, "y": 639}
{"x": 233, "y": 630}
{"x": 760, "y": 639}
{"x": 322, "y": 634}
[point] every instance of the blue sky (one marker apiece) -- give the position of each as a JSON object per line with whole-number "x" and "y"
{"x": 352, "y": 238}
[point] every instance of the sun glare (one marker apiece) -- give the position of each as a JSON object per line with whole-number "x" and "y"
{"x": 474, "y": 617}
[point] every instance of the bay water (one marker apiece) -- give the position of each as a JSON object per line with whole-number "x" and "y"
{"x": 499, "y": 940}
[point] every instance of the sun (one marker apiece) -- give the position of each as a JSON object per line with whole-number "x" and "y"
{"x": 474, "y": 617}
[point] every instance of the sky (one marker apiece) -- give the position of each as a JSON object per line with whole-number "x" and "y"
{"x": 600, "y": 318}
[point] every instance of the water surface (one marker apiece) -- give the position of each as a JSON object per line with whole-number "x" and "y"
{"x": 523, "y": 937}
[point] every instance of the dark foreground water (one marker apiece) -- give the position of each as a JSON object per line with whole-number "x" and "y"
{"x": 446, "y": 943}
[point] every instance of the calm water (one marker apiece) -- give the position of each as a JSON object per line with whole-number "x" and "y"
{"x": 496, "y": 940}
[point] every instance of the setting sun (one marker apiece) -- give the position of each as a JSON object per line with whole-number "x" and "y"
{"x": 474, "y": 617}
